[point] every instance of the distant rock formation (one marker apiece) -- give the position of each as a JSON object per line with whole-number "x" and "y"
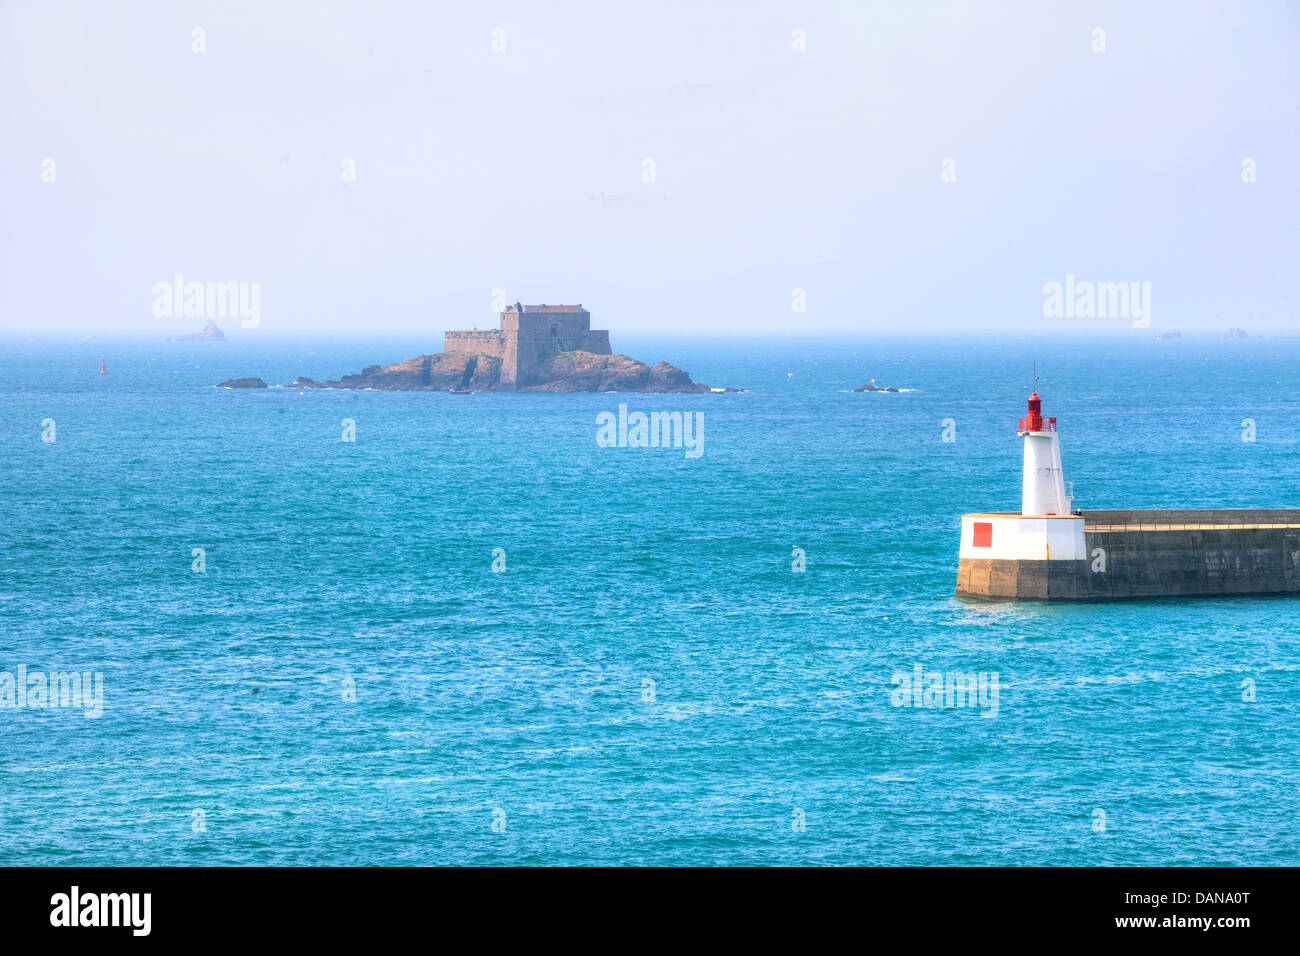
{"x": 572, "y": 371}
{"x": 537, "y": 348}
{"x": 242, "y": 383}
{"x": 871, "y": 386}
{"x": 1169, "y": 334}
{"x": 210, "y": 333}
{"x": 1235, "y": 333}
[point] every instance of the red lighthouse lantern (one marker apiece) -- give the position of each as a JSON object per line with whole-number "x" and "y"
{"x": 1033, "y": 421}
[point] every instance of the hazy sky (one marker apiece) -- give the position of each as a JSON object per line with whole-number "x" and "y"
{"x": 524, "y": 170}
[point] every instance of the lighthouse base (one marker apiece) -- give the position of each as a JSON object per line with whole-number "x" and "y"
{"x": 1140, "y": 554}
{"x": 1011, "y": 579}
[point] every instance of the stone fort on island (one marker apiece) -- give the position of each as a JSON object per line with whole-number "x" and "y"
{"x": 529, "y": 338}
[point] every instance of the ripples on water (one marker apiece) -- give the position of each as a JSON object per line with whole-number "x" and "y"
{"x": 333, "y": 565}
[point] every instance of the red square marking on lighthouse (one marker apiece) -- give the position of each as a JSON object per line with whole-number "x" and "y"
{"x": 983, "y": 534}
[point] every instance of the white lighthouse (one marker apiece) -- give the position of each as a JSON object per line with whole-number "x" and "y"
{"x": 1035, "y": 552}
{"x": 1043, "y": 484}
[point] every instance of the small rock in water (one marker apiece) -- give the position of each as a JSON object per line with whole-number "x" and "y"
{"x": 242, "y": 383}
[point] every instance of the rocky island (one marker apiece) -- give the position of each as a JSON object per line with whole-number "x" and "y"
{"x": 242, "y": 383}
{"x": 538, "y": 348}
{"x": 210, "y": 333}
{"x": 478, "y": 372}
{"x": 871, "y": 386}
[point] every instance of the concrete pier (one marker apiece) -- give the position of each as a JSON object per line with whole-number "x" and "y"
{"x": 1139, "y": 554}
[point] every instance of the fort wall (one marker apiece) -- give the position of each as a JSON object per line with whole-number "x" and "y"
{"x": 487, "y": 342}
{"x": 527, "y": 340}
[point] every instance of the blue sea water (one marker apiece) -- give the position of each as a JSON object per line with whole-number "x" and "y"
{"x": 647, "y": 681}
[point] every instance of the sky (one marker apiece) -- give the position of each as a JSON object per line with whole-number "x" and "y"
{"x": 696, "y": 168}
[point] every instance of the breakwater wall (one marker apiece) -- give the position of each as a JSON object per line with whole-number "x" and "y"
{"x": 1140, "y": 554}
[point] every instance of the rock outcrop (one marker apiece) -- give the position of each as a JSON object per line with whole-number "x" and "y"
{"x": 442, "y": 372}
{"x": 563, "y": 372}
{"x": 210, "y": 333}
{"x": 242, "y": 383}
{"x": 588, "y": 372}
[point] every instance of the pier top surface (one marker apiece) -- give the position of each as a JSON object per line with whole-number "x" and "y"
{"x": 1164, "y": 519}
{"x": 1191, "y": 519}
{"x": 1015, "y": 514}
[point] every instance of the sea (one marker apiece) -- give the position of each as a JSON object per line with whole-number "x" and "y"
{"x": 404, "y": 628}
